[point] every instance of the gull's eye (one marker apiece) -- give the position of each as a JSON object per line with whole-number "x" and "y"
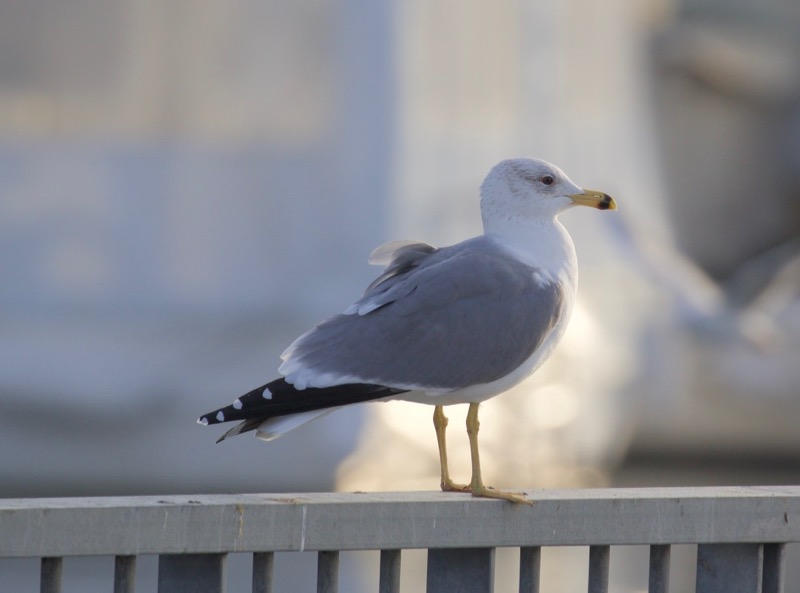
{"x": 548, "y": 179}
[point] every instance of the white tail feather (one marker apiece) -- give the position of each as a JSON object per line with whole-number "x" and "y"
{"x": 274, "y": 427}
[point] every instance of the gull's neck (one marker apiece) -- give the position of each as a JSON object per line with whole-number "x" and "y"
{"x": 541, "y": 244}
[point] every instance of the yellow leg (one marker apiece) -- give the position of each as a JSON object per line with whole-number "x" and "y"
{"x": 477, "y": 487}
{"x": 440, "y": 424}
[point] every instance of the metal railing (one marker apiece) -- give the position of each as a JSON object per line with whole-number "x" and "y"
{"x": 741, "y": 534}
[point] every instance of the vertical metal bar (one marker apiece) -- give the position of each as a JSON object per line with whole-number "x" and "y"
{"x": 124, "y": 574}
{"x": 599, "y": 560}
{"x": 191, "y": 573}
{"x": 467, "y": 570}
{"x": 50, "y": 575}
{"x": 390, "y": 572}
{"x": 530, "y": 561}
{"x": 263, "y": 568}
{"x": 774, "y": 561}
{"x": 658, "y": 581}
{"x": 328, "y": 572}
{"x": 729, "y": 568}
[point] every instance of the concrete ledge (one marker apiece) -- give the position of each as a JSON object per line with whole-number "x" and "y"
{"x": 394, "y": 520}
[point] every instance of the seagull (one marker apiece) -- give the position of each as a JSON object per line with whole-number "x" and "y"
{"x": 440, "y": 326}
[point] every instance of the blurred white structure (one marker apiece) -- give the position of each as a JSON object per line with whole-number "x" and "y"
{"x": 184, "y": 188}
{"x": 724, "y": 378}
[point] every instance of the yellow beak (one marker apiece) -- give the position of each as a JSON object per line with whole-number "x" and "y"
{"x": 595, "y": 199}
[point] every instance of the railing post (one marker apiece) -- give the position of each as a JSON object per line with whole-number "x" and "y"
{"x": 599, "y": 562}
{"x": 263, "y": 565}
{"x": 530, "y": 560}
{"x": 328, "y": 572}
{"x": 191, "y": 573}
{"x": 774, "y": 555}
{"x": 124, "y": 574}
{"x": 658, "y": 578}
{"x": 467, "y": 570}
{"x": 50, "y": 575}
{"x": 390, "y": 572}
{"x": 729, "y": 568}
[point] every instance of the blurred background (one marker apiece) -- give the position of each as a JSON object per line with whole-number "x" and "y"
{"x": 187, "y": 186}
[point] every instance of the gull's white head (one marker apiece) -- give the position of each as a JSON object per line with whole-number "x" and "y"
{"x": 520, "y": 190}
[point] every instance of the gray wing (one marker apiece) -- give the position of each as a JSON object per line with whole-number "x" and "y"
{"x": 405, "y": 256}
{"x": 458, "y": 316}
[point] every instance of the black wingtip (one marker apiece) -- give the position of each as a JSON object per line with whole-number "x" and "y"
{"x": 282, "y": 399}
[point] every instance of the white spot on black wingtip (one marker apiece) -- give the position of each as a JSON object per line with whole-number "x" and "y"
{"x": 220, "y": 416}
{"x": 237, "y": 405}
{"x": 203, "y": 421}
{"x": 267, "y": 394}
